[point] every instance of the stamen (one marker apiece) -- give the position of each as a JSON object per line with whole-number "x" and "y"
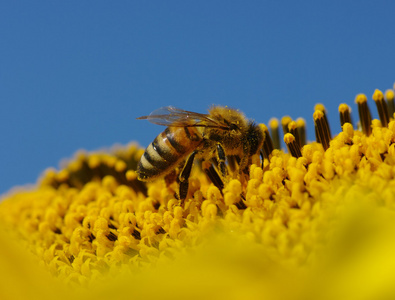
{"x": 267, "y": 142}
{"x": 322, "y": 108}
{"x": 301, "y": 125}
{"x": 365, "y": 116}
{"x": 389, "y": 96}
{"x": 284, "y": 123}
{"x": 274, "y": 132}
{"x": 293, "y": 145}
{"x": 293, "y": 129}
{"x": 378, "y": 97}
{"x": 322, "y": 133}
{"x": 345, "y": 114}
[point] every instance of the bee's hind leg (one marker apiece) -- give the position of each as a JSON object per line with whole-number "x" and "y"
{"x": 184, "y": 176}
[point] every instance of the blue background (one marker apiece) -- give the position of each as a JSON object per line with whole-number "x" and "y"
{"x": 75, "y": 74}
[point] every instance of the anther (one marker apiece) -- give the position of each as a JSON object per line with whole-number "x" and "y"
{"x": 365, "y": 116}
{"x": 284, "y": 123}
{"x": 345, "y": 114}
{"x": 378, "y": 97}
{"x": 301, "y": 125}
{"x": 322, "y": 108}
{"x": 322, "y": 132}
{"x": 274, "y": 132}
{"x": 389, "y": 96}
{"x": 293, "y": 129}
{"x": 293, "y": 145}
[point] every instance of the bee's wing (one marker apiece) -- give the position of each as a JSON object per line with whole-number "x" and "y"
{"x": 176, "y": 117}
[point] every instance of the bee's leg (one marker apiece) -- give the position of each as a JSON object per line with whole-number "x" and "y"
{"x": 184, "y": 176}
{"x": 217, "y": 181}
{"x": 232, "y": 163}
{"x": 213, "y": 175}
{"x": 221, "y": 160}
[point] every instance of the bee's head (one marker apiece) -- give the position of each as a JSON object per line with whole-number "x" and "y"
{"x": 232, "y": 120}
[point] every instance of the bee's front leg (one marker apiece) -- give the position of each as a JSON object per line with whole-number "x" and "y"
{"x": 184, "y": 176}
{"x": 217, "y": 181}
{"x": 213, "y": 175}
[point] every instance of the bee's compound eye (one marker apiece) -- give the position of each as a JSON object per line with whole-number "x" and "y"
{"x": 233, "y": 127}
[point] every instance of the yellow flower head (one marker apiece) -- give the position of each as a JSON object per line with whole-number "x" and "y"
{"x": 316, "y": 221}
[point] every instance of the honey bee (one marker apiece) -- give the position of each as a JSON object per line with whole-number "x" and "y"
{"x": 222, "y": 133}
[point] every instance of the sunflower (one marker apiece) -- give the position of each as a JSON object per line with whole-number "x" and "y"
{"x": 316, "y": 221}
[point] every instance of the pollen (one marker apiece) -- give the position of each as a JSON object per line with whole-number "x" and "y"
{"x": 293, "y": 218}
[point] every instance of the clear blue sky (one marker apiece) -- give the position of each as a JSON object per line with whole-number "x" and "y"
{"x": 75, "y": 74}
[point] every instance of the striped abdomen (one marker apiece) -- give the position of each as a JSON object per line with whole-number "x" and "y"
{"x": 167, "y": 150}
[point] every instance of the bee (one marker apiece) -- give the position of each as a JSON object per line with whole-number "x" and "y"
{"x": 223, "y": 132}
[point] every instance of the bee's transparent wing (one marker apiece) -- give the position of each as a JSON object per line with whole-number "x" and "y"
{"x": 176, "y": 117}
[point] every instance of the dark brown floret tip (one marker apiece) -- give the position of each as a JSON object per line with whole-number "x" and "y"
{"x": 365, "y": 117}
{"x": 322, "y": 131}
{"x": 382, "y": 108}
{"x": 345, "y": 114}
{"x": 292, "y": 145}
{"x": 275, "y": 133}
